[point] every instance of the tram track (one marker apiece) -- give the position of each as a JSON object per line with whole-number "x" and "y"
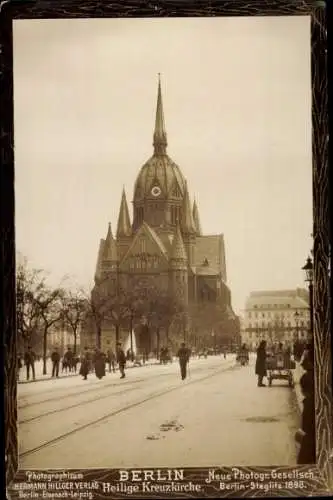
{"x": 125, "y": 408}
{"x": 77, "y": 393}
{"x": 96, "y": 387}
{"x": 76, "y": 405}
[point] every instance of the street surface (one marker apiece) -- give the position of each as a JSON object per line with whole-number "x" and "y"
{"x": 217, "y": 416}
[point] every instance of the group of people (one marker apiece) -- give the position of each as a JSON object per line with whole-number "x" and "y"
{"x": 69, "y": 362}
{"x": 97, "y": 360}
{"x": 305, "y": 436}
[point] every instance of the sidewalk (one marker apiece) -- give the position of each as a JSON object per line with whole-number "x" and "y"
{"x": 41, "y": 378}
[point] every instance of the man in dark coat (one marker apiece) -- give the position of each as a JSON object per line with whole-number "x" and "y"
{"x": 55, "y": 358}
{"x": 29, "y": 360}
{"x": 261, "y": 363}
{"x": 85, "y": 363}
{"x": 184, "y": 356}
{"x": 121, "y": 360}
{"x": 69, "y": 358}
{"x": 306, "y": 435}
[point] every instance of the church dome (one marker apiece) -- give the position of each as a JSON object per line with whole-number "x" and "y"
{"x": 159, "y": 177}
{"x": 159, "y": 173}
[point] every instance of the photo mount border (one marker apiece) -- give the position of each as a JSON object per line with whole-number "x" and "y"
{"x": 52, "y": 9}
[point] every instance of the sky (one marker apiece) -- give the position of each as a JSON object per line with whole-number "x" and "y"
{"x": 237, "y": 105}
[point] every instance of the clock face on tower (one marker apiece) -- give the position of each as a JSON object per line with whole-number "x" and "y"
{"x": 155, "y": 191}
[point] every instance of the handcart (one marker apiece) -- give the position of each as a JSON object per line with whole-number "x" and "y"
{"x": 243, "y": 358}
{"x": 280, "y": 367}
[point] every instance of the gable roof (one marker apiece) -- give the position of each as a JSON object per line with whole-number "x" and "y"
{"x": 210, "y": 247}
{"x": 147, "y": 230}
{"x": 154, "y": 236}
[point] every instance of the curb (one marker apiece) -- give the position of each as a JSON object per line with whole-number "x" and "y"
{"x": 69, "y": 375}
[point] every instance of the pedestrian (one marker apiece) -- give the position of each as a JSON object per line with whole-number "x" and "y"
{"x": 99, "y": 364}
{"x": 64, "y": 365}
{"x": 305, "y": 436}
{"x": 121, "y": 359}
{"x": 75, "y": 362}
{"x": 19, "y": 365}
{"x": 111, "y": 358}
{"x": 184, "y": 356}
{"x": 69, "y": 358}
{"x": 307, "y": 360}
{"x": 85, "y": 363}
{"x": 29, "y": 360}
{"x": 55, "y": 358}
{"x": 260, "y": 369}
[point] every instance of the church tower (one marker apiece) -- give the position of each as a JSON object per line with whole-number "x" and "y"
{"x": 109, "y": 258}
{"x": 124, "y": 231}
{"x": 163, "y": 248}
{"x": 188, "y": 227}
{"x": 196, "y": 218}
{"x": 179, "y": 269}
{"x": 160, "y": 186}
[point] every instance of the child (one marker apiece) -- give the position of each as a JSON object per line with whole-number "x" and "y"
{"x": 306, "y": 435}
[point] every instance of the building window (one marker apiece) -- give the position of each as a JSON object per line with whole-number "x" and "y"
{"x": 142, "y": 245}
{"x": 139, "y": 213}
{"x": 249, "y": 315}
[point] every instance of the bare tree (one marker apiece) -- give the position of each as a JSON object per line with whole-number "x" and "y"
{"x": 103, "y": 305}
{"x": 29, "y": 287}
{"x": 50, "y": 307}
{"x": 159, "y": 308}
{"x": 74, "y": 308}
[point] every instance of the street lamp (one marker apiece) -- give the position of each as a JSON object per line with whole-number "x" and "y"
{"x": 308, "y": 268}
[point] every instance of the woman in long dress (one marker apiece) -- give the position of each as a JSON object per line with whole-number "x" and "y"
{"x": 85, "y": 364}
{"x": 99, "y": 364}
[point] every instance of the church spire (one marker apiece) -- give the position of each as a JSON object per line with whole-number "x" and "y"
{"x": 178, "y": 252}
{"x": 196, "y": 218}
{"x": 124, "y": 224}
{"x": 160, "y": 136}
{"x": 110, "y": 249}
{"x": 188, "y": 225}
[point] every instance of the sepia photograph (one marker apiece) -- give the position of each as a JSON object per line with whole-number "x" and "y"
{"x": 164, "y": 243}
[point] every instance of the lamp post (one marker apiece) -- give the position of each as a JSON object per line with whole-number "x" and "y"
{"x": 308, "y": 268}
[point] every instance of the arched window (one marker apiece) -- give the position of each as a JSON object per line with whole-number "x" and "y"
{"x": 142, "y": 244}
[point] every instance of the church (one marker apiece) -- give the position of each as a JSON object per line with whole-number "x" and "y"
{"x": 163, "y": 247}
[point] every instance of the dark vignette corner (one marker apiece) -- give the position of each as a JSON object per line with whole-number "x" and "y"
{"x": 7, "y": 259}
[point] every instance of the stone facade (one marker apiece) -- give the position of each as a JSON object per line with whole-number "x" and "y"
{"x": 163, "y": 248}
{"x": 276, "y": 316}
